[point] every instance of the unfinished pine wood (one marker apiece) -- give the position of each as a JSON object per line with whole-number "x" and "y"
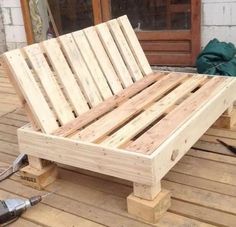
{"x": 114, "y": 54}
{"x": 80, "y": 69}
{"x": 103, "y": 59}
{"x": 49, "y": 83}
{"x": 181, "y": 140}
{"x": 124, "y": 50}
{"x": 104, "y": 192}
{"x": 134, "y": 45}
{"x": 30, "y": 90}
{"x": 146, "y": 143}
{"x": 106, "y": 124}
{"x": 92, "y": 64}
{"x": 119, "y": 163}
{"x": 147, "y": 192}
{"x": 151, "y": 211}
{"x": 137, "y": 124}
{"x": 65, "y": 76}
{"x": 107, "y": 105}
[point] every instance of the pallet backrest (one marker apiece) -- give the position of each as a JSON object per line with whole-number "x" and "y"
{"x": 61, "y": 78}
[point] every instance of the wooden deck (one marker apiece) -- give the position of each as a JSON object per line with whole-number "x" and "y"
{"x": 203, "y": 184}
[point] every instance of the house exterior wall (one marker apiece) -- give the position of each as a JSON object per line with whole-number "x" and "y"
{"x": 13, "y": 25}
{"x": 218, "y": 21}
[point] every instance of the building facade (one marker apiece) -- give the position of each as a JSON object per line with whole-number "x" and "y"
{"x": 218, "y": 20}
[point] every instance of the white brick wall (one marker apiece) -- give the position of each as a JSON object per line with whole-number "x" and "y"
{"x": 13, "y": 24}
{"x": 218, "y": 20}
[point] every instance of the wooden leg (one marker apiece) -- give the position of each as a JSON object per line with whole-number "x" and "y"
{"x": 39, "y": 173}
{"x": 148, "y": 202}
{"x": 227, "y": 120}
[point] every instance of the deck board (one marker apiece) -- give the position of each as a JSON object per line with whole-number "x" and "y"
{"x": 202, "y": 183}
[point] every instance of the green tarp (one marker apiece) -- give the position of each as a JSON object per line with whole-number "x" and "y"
{"x": 217, "y": 58}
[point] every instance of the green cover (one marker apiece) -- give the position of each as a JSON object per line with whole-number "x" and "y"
{"x": 217, "y": 58}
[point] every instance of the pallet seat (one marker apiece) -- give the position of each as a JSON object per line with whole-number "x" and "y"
{"x": 94, "y": 103}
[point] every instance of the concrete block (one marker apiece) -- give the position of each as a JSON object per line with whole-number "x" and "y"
{"x": 10, "y": 3}
{"x": 223, "y": 33}
{"x": 6, "y": 16}
{"x": 218, "y": 14}
{"x": 21, "y": 45}
{"x": 17, "y": 18}
{"x": 11, "y": 46}
{"x": 15, "y": 33}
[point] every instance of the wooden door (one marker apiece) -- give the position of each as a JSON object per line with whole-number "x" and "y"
{"x": 169, "y": 30}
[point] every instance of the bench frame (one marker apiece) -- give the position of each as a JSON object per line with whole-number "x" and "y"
{"x": 199, "y": 102}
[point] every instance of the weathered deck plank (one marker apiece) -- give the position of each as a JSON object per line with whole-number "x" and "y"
{"x": 203, "y": 194}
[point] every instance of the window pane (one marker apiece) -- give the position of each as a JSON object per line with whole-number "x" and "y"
{"x": 72, "y": 15}
{"x": 154, "y": 14}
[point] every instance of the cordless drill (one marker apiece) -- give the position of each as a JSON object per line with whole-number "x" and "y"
{"x": 11, "y": 209}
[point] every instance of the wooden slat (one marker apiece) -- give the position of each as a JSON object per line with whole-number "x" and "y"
{"x": 114, "y": 162}
{"x": 164, "y": 128}
{"x": 80, "y": 69}
{"x": 29, "y": 88}
{"x": 103, "y": 59}
{"x": 65, "y": 76}
{"x": 49, "y": 83}
{"x": 124, "y": 50}
{"x": 134, "y": 45}
{"x": 117, "y": 117}
{"x": 107, "y": 105}
{"x": 139, "y": 123}
{"x": 114, "y": 54}
{"x": 92, "y": 64}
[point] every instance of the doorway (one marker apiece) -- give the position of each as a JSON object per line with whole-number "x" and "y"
{"x": 168, "y": 30}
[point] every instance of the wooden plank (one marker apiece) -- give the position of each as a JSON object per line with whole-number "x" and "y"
{"x": 139, "y": 123}
{"x": 92, "y": 64}
{"x": 107, "y": 105}
{"x": 207, "y": 169}
{"x": 202, "y": 197}
{"x": 202, "y": 183}
{"x": 134, "y": 45}
{"x": 114, "y": 54}
{"x": 114, "y": 162}
{"x": 54, "y": 217}
{"x": 49, "y": 83}
{"x": 184, "y": 137}
{"x": 103, "y": 59}
{"x": 95, "y": 201}
{"x": 167, "y": 126}
{"x": 124, "y": 49}
{"x": 65, "y": 76}
{"x": 127, "y": 110}
{"x": 205, "y": 214}
{"x": 167, "y": 46}
{"x": 30, "y": 90}
{"x": 80, "y": 69}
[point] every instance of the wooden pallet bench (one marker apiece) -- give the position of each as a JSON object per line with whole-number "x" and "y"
{"x": 94, "y": 103}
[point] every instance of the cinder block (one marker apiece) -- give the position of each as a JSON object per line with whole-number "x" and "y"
{"x": 11, "y": 46}
{"x": 17, "y": 18}
{"x": 6, "y": 16}
{"x": 10, "y": 3}
{"x": 15, "y": 33}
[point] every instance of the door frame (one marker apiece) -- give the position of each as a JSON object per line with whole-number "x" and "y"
{"x": 193, "y": 35}
{"x": 102, "y": 13}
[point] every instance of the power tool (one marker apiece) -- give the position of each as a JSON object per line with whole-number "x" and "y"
{"x": 11, "y": 209}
